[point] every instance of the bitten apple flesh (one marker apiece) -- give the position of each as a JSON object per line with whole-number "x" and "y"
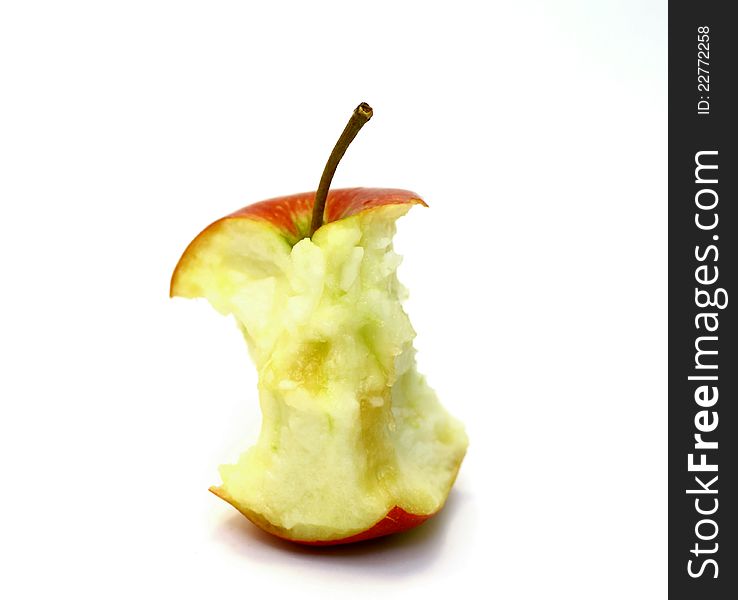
{"x": 354, "y": 443}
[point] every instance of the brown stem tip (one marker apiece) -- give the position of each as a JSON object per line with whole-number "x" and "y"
{"x": 358, "y": 119}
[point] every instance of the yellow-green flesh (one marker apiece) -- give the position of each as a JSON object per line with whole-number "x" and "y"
{"x": 350, "y": 429}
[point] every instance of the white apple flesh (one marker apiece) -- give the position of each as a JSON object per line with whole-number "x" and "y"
{"x": 350, "y": 430}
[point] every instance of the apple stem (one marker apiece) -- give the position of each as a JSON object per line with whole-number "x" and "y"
{"x": 361, "y": 115}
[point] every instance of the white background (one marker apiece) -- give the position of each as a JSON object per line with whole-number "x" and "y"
{"x": 535, "y": 130}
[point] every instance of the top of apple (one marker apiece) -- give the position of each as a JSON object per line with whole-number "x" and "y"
{"x": 287, "y": 219}
{"x": 290, "y": 216}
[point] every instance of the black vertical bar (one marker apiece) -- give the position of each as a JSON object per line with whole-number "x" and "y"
{"x": 703, "y": 270}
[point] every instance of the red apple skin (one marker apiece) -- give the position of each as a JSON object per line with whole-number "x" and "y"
{"x": 396, "y": 521}
{"x": 285, "y": 212}
{"x": 290, "y": 215}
